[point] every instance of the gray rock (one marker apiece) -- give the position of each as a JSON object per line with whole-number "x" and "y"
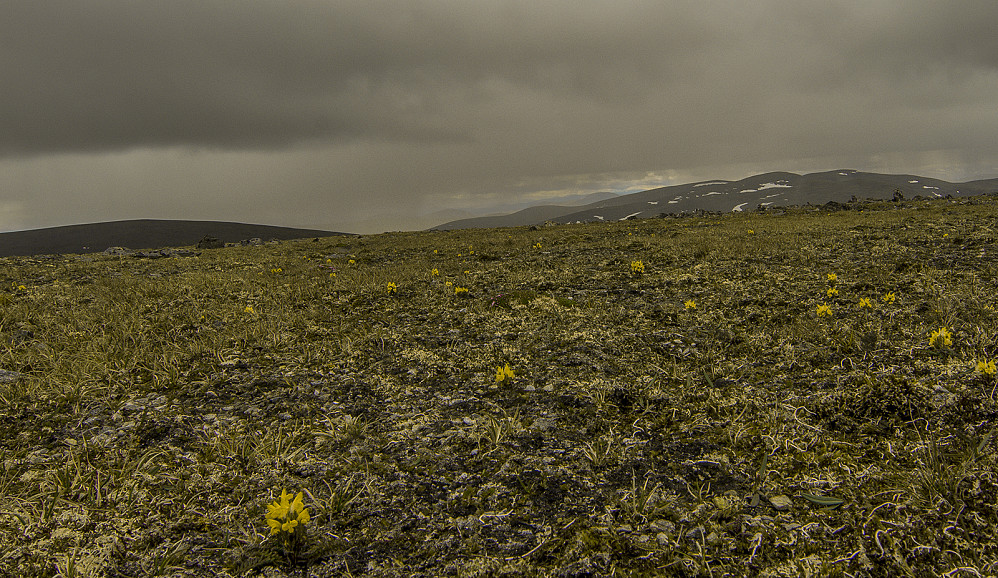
{"x": 9, "y": 376}
{"x": 543, "y": 424}
{"x": 209, "y": 242}
{"x": 119, "y": 251}
{"x": 781, "y": 502}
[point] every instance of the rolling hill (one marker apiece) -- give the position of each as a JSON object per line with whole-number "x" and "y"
{"x": 766, "y": 190}
{"x": 139, "y": 234}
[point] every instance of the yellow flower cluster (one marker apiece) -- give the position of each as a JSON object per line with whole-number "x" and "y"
{"x": 690, "y": 304}
{"x": 285, "y": 515}
{"x": 392, "y": 289}
{"x": 941, "y": 338}
{"x": 986, "y": 367}
{"x": 831, "y": 292}
{"x": 865, "y": 302}
{"x": 824, "y": 310}
{"x": 637, "y": 267}
{"x": 435, "y": 272}
{"x": 461, "y": 291}
{"x": 888, "y": 298}
{"x": 503, "y": 373}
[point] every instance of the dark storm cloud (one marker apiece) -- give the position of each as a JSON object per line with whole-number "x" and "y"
{"x": 105, "y": 74}
{"x": 121, "y": 74}
{"x": 390, "y": 100}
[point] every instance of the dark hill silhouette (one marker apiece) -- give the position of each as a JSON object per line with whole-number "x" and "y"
{"x": 767, "y": 190}
{"x": 140, "y": 234}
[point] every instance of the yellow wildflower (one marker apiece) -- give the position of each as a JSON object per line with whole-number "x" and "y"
{"x": 285, "y": 514}
{"x": 249, "y": 309}
{"x": 392, "y": 289}
{"x": 435, "y": 272}
{"x": 690, "y": 304}
{"x": 637, "y": 267}
{"x": 941, "y": 338}
{"x": 824, "y": 310}
{"x": 986, "y": 367}
{"x": 831, "y": 292}
{"x": 832, "y": 277}
{"x": 888, "y": 298}
{"x": 504, "y": 372}
{"x": 865, "y": 302}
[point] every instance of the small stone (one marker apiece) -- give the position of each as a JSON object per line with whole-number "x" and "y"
{"x": 530, "y": 388}
{"x": 549, "y": 388}
{"x": 664, "y": 525}
{"x": 781, "y": 502}
{"x": 9, "y": 376}
{"x": 662, "y": 538}
{"x": 543, "y": 424}
{"x": 696, "y": 533}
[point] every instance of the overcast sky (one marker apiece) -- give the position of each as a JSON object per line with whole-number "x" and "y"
{"x": 322, "y": 113}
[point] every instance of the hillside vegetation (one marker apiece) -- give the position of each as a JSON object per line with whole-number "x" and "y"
{"x": 788, "y": 393}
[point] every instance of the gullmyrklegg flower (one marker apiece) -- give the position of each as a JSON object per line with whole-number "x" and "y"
{"x": 941, "y": 338}
{"x": 504, "y": 372}
{"x": 286, "y": 514}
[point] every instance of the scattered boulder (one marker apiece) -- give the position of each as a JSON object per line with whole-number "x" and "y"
{"x": 209, "y": 242}
{"x": 119, "y": 251}
{"x": 255, "y": 241}
{"x": 159, "y": 253}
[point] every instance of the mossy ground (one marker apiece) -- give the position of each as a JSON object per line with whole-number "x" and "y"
{"x": 159, "y": 405}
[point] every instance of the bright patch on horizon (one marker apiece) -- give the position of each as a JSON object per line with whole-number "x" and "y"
{"x": 738, "y": 208}
{"x": 631, "y": 215}
{"x": 711, "y": 183}
{"x": 763, "y": 186}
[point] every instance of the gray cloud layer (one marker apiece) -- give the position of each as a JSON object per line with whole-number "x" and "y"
{"x": 386, "y": 104}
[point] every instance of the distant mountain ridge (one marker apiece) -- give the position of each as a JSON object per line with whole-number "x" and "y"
{"x": 767, "y": 189}
{"x": 140, "y": 234}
